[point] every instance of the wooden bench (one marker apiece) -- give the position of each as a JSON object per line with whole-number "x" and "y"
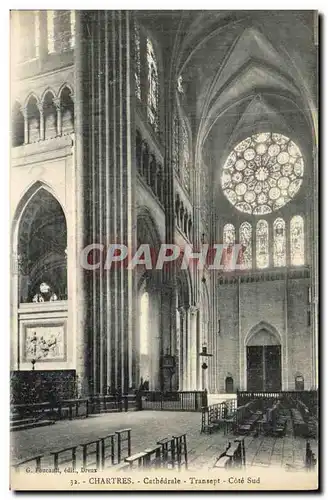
{"x": 233, "y": 456}
{"x": 136, "y": 460}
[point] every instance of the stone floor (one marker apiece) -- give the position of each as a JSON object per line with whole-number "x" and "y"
{"x": 149, "y": 426}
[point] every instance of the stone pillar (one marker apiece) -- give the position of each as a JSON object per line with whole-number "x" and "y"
{"x": 109, "y": 177}
{"x": 193, "y": 354}
{"x": 25, "y": 114}
{"x": 40, "y": 108}
{"x": 79, "y": 298}
{"x": 59, "y": 116}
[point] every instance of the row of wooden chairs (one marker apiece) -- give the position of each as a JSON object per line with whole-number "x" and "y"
{"x": 168, "y": 453}
{"x": 219, "y": 415}
{"x": 247, "y": 417}
{"x": 233, "y": 456}
{"x": 99, "y": 454}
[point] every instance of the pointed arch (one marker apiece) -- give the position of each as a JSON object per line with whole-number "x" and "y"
{"x": 262, "y": 244}
{"x": 297, "y": 256}
{"x": 260, "y": 326}
{"x": 279, "y": 242}
{"x": 40, "y": 244}
{"x": 245, "y": 239}
{"x": 67, "y": 109}
{"x": 47, "y": 91}
{"x": 49, "y": 114}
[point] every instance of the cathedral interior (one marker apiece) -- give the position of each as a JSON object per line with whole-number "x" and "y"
{"x": 164, "y": 127}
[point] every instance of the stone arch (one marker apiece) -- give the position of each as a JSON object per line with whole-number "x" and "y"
{"x": 148, "y": 332}
{"x": 39, "y": 240}
{"x": 263, "y": 326}
{"x": 49, "y": 114}
{"x": 263, "y": 358}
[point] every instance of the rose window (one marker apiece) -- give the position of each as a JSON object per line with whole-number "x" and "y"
{"x": 263, "y": 173}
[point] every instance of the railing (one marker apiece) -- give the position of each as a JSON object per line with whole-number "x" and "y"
{"x": 219, "y": 415}
{"x": 99, "y": 453}
{"x": 175, "y": 401}
{"x": 57, "y": 411}
{"x": 73, "y": 408}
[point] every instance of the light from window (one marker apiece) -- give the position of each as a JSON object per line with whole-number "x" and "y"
{"x": 29, "y": 34}
{"x": 262, "y": 244}
{"x": 229, "y": 234}
{"x": 262, "y": 173}
{"x": 185, "y": 157}
{"x": 245, "y": 238}
{"x": 153, "y": 86}
{"x": 176, "y": 142}
{"x": 144, "y": 320}
{"x": 279, "y": 243}
{"x": 297, "y": 240}
{"x": 61, "y": 30}
{"x": 137, "y": 73}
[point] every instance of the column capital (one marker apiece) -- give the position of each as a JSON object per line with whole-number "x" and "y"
{"x": 40, "y": 107}
{"x": 57, "y": 101}
{"x": 182, "y": 311}
{"x": 193, "y": 310}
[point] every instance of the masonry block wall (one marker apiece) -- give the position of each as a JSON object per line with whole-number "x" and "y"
{"x": 280, "y": 304}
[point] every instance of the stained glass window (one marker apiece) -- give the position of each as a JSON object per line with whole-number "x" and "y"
{"x": 229, "y": 234}
{"x": 176, "y": 142}
{"x": 262, "y": 244}
{"x": 245, "y": 238}
{"x": 185, "y": 157}
{"x": 137, "y": 71}
{"x": 297, "y": 240}
{"x": 263, "y": 173}
{"x": 229, "y": 237}
{"x": 279, "y": 243}
{"x": 153, "y": 86}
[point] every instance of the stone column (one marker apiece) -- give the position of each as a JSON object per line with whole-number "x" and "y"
{"x": 59, "y": 116}
{"x": 79, "y": 298}
{"x": 25, "y": 114}
{"x": 40, "y": 108}
{"x": 109, "y": 205}
{"x": 193, "y": 354}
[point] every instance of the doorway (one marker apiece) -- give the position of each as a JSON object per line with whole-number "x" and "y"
{"x": 264, "y": 368}
{"x": 229, "y": 385}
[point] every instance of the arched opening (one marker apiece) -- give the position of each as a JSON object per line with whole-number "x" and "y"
{"x": 263, "y": 360}
{"x": 182, "y": 348}
{"x": 67, "y": 111}
{"x": 148, "y": 335}
{"x": 50, "y": 116}
{"x": 299, "y": 382}
{"x": 17, "y": 126}
{"x": 33, "y": 120}
{"x": 229, "y": 385}
{"x": 144, "y": 341}
{"x": 41, "y": 250}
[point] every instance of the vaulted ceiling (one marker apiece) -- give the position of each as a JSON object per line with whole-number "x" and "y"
{"x": 242, "y": 72}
